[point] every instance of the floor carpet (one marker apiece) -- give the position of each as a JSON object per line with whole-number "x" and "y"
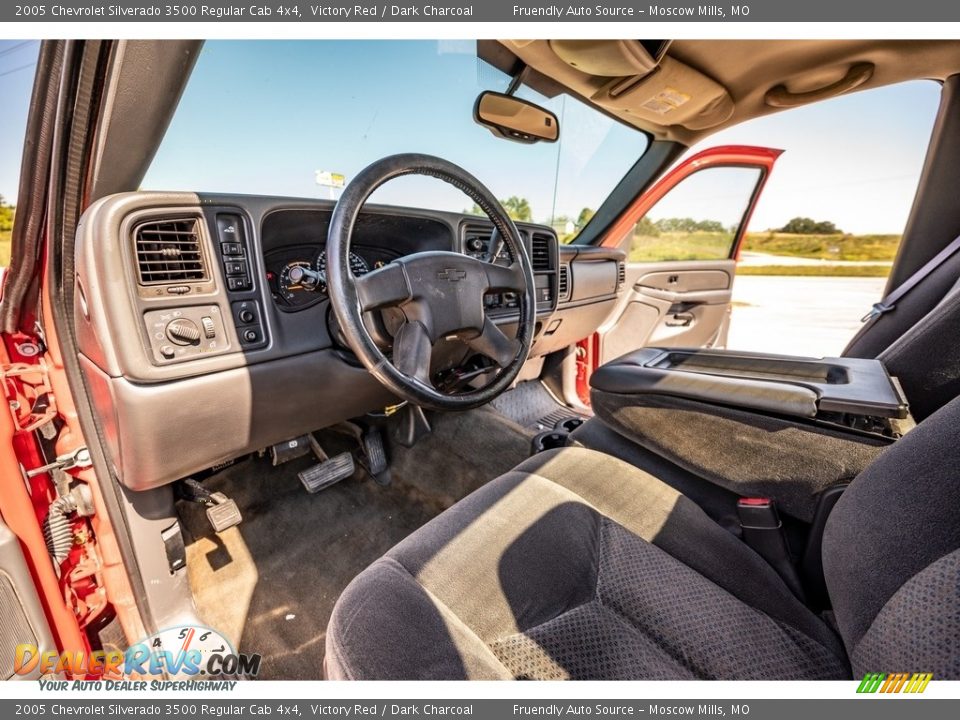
{"x": 270, "y": 583}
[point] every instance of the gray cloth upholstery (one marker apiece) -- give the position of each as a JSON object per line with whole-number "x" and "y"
{"x": 919, "y": 625}
{"x": 909, "y": 340}
{"x": 718, "y": 502}
{"x": 889, "y": 552}
{"x": 575, "y": 565}
{"x": 879, "y": 334}
{"x": 747, "y": 453}
{"x": 927, "y": 367}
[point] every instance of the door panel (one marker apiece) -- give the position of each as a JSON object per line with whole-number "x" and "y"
{"x": 682, "y": 238}
{"x": 678, "y": 306}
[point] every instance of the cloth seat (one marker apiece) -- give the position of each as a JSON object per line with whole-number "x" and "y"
{"x": 578, "y": 565}
{"x": 575, "y": 565}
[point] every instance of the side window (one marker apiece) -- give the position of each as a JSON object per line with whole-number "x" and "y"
{"x": 698, "y": 219}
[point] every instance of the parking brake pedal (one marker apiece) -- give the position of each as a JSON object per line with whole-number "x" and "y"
{"x": 222, "y": 512}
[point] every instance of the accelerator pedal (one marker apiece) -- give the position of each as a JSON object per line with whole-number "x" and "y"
{"x": 375, "y": 456}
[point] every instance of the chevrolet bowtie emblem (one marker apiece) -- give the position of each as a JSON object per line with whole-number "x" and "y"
{"x": 451, "y": 274}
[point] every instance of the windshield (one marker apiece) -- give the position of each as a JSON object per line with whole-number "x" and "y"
{"x": 290, "y": 118}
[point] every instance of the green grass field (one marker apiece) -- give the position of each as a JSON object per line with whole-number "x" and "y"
{"x": 680, "y": 246}
{"x": 4, "y": 248}
{"x": 824, "y": 247}
{"x": 815, "y": 270}
{"x": 716, "y": 246}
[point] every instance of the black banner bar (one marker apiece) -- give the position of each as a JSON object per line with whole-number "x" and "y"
{"x": 96, "y": 11}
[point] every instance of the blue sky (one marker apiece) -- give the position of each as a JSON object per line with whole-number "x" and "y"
{"x": 262, "y": 117}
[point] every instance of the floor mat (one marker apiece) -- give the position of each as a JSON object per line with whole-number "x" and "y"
{"x": 270, "y": 583}
{"x": 531, "y": 406}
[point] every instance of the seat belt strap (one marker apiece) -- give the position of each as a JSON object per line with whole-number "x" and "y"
{"x": 890, "y": 301}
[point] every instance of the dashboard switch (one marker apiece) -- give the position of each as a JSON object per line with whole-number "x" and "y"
{"x": 183, "y": 332}
{"x": 247, "y": 317}
{"x": 238, "y": 283}
{"x": 231, "y": 248}
{"x": 250, "y": 335}
{"x": 235, "y": 267}
{"x": 209, "y": 329}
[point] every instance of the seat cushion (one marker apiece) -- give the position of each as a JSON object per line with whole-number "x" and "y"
{"x": 575, "y": 565}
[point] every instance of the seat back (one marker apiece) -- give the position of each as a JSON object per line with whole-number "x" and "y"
{"x": 891, "y": 555}
{"x": 910, "y": 340}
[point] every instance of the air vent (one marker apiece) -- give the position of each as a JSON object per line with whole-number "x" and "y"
{"x": 540, "y": 252}
{"x": 168, "y": 251}
{"x": 563, "y": 283}
{"x": 621, "y": 274}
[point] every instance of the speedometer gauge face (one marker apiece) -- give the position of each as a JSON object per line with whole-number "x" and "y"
{"x": 358, "y": 266}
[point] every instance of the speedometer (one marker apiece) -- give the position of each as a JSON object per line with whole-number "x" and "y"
{"x": 358, "y": 266}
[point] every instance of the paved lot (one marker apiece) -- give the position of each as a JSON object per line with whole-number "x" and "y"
{"x": 813, "y": 316}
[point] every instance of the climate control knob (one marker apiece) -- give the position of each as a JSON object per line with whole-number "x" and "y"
{"x": 183, "y": 332}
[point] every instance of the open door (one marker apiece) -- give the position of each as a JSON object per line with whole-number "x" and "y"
{"x": 682, "y": 238}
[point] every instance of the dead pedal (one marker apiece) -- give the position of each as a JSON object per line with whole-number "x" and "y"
{"x": 328, "y": 472}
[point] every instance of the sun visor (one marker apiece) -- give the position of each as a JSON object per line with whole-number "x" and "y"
{"x": 606, "y": 58}
{"x": 673, "y": 94}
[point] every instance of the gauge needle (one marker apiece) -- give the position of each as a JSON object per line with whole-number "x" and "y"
{"x": 187, "y": 640}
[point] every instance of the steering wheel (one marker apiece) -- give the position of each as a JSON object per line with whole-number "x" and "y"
{"x": 440, "y": 294}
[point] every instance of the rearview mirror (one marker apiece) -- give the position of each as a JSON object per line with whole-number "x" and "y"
{"x": 515, "y": 119}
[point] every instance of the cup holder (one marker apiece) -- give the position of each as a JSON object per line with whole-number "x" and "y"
{"x": 548, "y": 440}
{"x": 569, "y": 424}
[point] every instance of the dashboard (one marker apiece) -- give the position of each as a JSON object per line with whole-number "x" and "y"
{"x": 198, "y": 346}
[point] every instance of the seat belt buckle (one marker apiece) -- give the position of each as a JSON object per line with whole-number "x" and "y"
{"x": 762, "y": 530}
{"x": 758, "y": 513}
{"x": 877, "y": 310}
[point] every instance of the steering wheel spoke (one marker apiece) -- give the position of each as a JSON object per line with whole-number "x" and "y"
{"x": 500, "y": 277}
{"x": 439, "y": 292}
{"x": 494, "y": 344}
{"x": 412, "y": 351}
{"x": 384, "y": 287}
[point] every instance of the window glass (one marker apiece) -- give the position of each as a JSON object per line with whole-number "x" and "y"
{"x": 698, "y": 219}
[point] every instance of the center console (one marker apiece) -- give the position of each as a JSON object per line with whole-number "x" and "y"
{"x": 756, "y": 424}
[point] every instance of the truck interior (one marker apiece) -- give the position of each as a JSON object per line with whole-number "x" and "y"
{"x": 381, "y": 441}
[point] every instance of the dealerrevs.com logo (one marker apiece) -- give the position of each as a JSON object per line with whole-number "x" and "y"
{"x": 887, "y": 683}
{"x": 188, "y": 652}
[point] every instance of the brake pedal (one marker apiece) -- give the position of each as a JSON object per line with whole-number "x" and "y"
{"x": 326, "y": 473}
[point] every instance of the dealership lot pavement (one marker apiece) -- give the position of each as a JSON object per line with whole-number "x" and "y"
{"x": 800, "y": 315}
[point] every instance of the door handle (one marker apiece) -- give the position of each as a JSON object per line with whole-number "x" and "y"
{"x": 681, "y": 319}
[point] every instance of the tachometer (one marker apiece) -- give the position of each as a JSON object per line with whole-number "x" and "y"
{"x": 358, "y": 266}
